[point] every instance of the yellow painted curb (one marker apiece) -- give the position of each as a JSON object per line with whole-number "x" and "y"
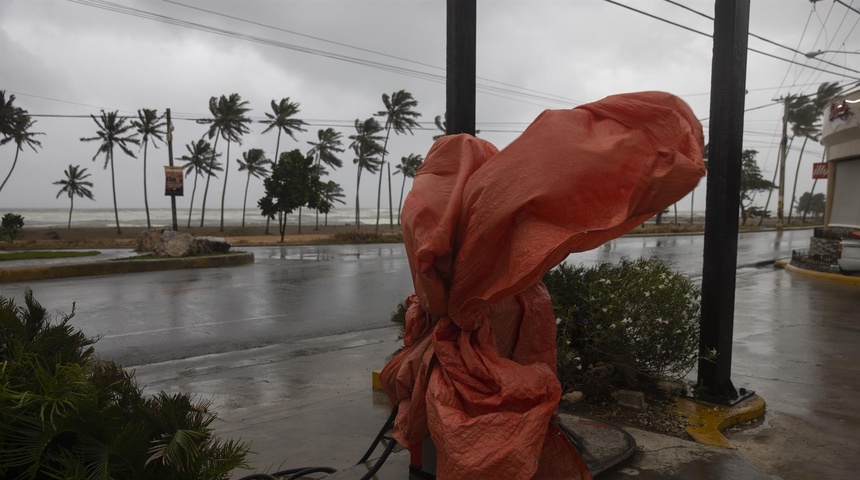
{"x": 377, "y": 383}
{"x": 707, "y": 420}
{"x": 836, "y": 277}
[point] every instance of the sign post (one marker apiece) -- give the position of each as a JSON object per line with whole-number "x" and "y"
{"x": 171, "y": 175}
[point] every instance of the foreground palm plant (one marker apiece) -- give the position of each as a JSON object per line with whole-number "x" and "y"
{"x": 65, "y": 414}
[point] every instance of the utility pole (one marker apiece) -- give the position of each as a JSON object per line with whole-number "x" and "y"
{"x": 170, "y": 162}
{"x": 460, "y": 80}
{"x": 728, "y": 81}
{"x": 783, "y": 151}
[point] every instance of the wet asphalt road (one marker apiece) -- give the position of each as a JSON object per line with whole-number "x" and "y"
{"x": 296, "y": 292}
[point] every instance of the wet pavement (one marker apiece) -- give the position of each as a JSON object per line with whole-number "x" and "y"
{"x": 305, "y": 397}
{"x": 311, "y": 403}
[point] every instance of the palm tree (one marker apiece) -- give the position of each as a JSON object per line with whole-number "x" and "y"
{"x": 201, "y": 161}
{"x": 18, "y": 131}
{"x": 328, "y": 143}
{"x": 7, "y": 114}
{"x": 75, "y": 185}
{"x": 400, "y": 116}
{"x": 281, "y": 119}
{"x": 150, "y": 127}
{"x": 331, "y": 192}
{"x": 365, "y": 144}
{"x": 112, "y": 132}
{"x": 408, "y": 167}
{"x": 230, "y": 123}
{"x": 441, "y": 125}
{"x": 255, "y": 164}
{"x": 810, "y": 126}
{"x": 794, "y": 105}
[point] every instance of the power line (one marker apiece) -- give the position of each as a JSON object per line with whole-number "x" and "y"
{"x": 849, "y": 7}
{"x": 699, "y": 32}
{"x": 486, "y": 89}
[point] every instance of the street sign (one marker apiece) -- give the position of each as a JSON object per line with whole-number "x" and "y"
{"x": 173, "y": 181}
{"x": 819, "y": 170}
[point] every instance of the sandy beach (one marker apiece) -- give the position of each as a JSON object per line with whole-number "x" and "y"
{"x": 40, "y": 238}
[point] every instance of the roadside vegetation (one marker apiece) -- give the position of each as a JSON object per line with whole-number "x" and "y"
{"x": 43, "y": 254}
{"x": 66, "y": 414}
{"x": 633, "y": 325}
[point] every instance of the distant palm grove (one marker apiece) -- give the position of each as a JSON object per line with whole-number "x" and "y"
{"x": 293, "y": 180}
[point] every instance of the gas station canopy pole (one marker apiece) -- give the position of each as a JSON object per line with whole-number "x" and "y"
{"x": 460, "y": 84}
{"x": 728, "y": 83}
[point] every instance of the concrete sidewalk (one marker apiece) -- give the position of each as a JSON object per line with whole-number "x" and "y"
{"x": 311, "y": 404}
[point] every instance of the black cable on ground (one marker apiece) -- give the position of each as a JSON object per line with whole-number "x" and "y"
{"x": 376, "y": 466}
{"x": 385, "y": 428}
{"x": 297, "y": 473}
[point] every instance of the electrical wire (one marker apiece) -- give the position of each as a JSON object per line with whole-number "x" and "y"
{"x": 297, "y": 473}
{"x": 699, "y": 32}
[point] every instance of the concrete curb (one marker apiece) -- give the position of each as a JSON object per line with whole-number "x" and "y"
{"x": 707, "y": 420}
{"x": 114, "y": 267}
{"x": 835, "y": 277}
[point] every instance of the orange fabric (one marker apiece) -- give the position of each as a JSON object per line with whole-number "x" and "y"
{"x": 481, "y": 228}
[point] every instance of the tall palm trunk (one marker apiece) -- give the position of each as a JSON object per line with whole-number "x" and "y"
{"x": 675, "y": 207}
{"x": 113, "y": 186}
{"x": 224, "y": 190}
{"x": 357, "y": 185}
{"x": 317, "y": 226}
{"x": 300, "y": 219}
{"x": 400, "y": 205}
{"x": 209, "y": 177}
{"x": 145, "y": 197}
{"x": 245, "y": 202}
{"x": 17, "y": 151}
{"x": 193, "y": 191}
{"x": 390, "y": 204}
{"x": 796, "y": 174}
{"x": 692, "y": 203}
{"x": 72, "y": 198}
{"x": 277, "y": 147}
{"x": 770, "y": 192}
{"x": 381, "y": 170}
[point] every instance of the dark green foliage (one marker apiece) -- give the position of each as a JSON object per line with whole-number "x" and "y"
{"x": 751, "y": 182}
{"x": 810, "y": 203}
{"x": 290, "y": 186}
{"x": 11, "y": 225}
{"x": 621, "y": 323}
{"x": 65, "y": 414}
{"x": 355, "y": 237}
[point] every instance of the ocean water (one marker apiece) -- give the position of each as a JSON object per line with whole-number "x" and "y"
{"x": 162, "y": 217}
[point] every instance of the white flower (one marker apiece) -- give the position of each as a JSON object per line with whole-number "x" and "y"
{"x": 557, "y": 321}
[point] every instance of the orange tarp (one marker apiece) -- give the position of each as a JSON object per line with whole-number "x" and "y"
{"x": 481, "y": 228}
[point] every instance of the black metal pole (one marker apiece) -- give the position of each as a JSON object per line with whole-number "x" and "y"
{"x": 460, "y": 85}
{"x": 170, "y": 162}
{"x": 728, "y": 82}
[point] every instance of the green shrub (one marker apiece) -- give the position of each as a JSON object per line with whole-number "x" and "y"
{"x": 357, "y": 237}
{"x": 621, "y": 323}
{"x": 65, "y": 414}
{"x": 11, "y": 225}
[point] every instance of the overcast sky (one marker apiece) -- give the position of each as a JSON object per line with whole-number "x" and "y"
{"x": 76, "y": 57}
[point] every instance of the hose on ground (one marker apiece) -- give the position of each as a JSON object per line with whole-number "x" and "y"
{"x": 297, "y": 473}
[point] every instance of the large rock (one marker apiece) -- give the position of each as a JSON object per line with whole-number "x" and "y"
{"x": 148, "y": 239}
{"x": 168, "y": 243}
{"x": 213, "y": 245}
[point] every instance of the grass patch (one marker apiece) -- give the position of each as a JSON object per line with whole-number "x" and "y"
{"x": 357, "y": 237}
{"x": 40, "y": 255}
{"x": 152, "y": 256}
